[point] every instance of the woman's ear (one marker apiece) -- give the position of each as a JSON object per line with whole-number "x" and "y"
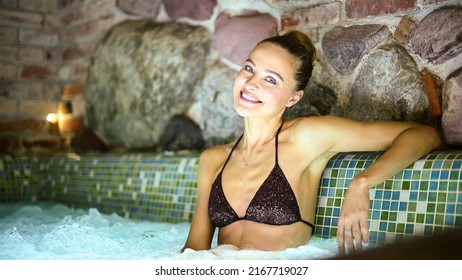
{"x": 297, "y": 96}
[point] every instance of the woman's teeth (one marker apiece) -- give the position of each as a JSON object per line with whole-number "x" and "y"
{"x": 249, "y": 98}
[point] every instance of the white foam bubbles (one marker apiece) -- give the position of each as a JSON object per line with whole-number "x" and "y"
{"x": 54, "y": 231}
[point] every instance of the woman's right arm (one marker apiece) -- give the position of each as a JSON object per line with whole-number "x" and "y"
{"x": 201, "y": 230}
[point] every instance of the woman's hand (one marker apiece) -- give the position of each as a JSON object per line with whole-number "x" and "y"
{"x": 353, "y": 230}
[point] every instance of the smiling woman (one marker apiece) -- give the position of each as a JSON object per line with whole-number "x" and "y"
{"x": 265, "y": 198}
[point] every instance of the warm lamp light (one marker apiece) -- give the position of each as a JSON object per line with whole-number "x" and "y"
{"x": 52, "y": 118}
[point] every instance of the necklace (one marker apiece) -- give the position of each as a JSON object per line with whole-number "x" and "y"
{"x": 247, "y": 162}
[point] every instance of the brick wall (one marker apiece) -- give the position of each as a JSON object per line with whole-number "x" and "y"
{"x": 45, "y": 48}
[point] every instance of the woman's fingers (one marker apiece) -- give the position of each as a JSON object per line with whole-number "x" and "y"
{"x": 352, "y": 237}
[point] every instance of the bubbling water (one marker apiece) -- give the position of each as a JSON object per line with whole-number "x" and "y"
{"x": 51, "y": 231}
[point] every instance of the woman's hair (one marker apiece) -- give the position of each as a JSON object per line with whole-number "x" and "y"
{"x": 302, "y": 49}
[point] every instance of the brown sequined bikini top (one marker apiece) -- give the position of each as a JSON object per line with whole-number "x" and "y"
{"x": 274, "y": 203}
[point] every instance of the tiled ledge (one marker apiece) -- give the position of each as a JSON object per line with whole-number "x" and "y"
{"x": 423, "y": 199}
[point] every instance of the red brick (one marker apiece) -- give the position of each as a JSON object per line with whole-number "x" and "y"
{"x": 101, "y": 9}
{"x": 71, "y": 90}
{"x": 13, "y": 18}
{"x": 82, "y": 32}
{"x": 78, "y": 71}
{"x": 39, "y": 72}
{"x": 52, "y": 21}
{"x": 8, "y": 106}
{"x": 19, "y": 126}
{"x": 8, "y": 34}
{"x": 46, "y": 6}
{"x": 38, "y": 38}
{"x": 72, "y": 17}
{"x": 21, "y": 53}
{"x": 51, "y": 91}
{"x": 37, "y": 108}
{"x": 72, "y": 53}
{"x": 433, "y": 89}
{"x": 8, "y": 70}
{"x": 30, "y": 54}
{"x": 365, "y": 8}
{"x": 25, "y": 90}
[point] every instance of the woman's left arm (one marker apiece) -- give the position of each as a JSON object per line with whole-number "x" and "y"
{"x": 403, "y": 143}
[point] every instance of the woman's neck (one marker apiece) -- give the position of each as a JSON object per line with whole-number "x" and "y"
{"x": 258, "y": 132}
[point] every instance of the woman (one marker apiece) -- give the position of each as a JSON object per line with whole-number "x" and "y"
{"x": 261, "y": 190}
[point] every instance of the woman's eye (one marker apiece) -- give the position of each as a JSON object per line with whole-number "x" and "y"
{"x": 271, "y": 80}
{"x": 248, "y": 68}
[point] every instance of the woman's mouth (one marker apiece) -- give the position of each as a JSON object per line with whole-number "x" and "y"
{"x": 249, "y": 98}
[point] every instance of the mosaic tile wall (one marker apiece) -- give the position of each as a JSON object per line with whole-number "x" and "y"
{"x": 424, "y": 198}
{"x": 138, "y": 186}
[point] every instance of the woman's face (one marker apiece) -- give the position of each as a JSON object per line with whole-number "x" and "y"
{"x": 266, "y": 84}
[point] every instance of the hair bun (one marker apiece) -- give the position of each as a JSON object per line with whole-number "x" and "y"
{"x": 302, "y": 39}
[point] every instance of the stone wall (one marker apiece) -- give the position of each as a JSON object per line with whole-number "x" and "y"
{"x": 391, "y": 60}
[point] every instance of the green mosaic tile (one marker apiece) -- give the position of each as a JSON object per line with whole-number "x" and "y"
{"x": 338, "y": 202}
{"x": 388, "y": 184}
{"x": 406, "y": 185}
{"x": 459, "y": 209}
{"x": 416, "y": 174}
{"x": 452, "y": 197}
{"x": 384, "y": 215}
{"x": 423, "y": 196}
{"x": 330, "y": 201}
{"x": 441, "y": 208}
{"x": 391, "y": 227}
{"x": 439, "y": 219}
{"x": 329, "y": 212}
{"x": 458, "y": 221}
{"x": 393, "y": 216}
{"x": 411, "y": 217}
{"x": 423, "y": 185}
{"x": 443, "y": 186}
{"x": 420, "y": 218}
{"x": 429, "y": 218}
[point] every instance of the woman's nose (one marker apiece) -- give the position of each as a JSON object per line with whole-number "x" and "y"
{"x": 251, "y": 83}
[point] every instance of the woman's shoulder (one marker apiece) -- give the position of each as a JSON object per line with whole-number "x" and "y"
{"x": 315, "y": 125}
{"x": 216, "y": 155}
{"x": 304, "y": 125}
{"x": 313, "y": 134}
{"x": 315, "y": 120}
